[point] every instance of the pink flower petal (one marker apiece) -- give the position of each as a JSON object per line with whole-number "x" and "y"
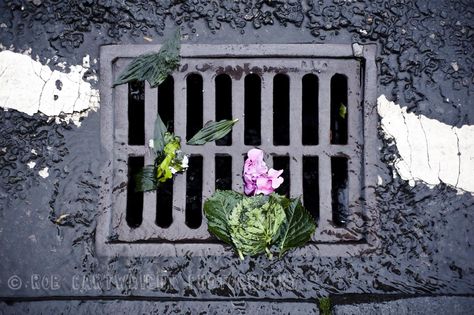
{"x": 274, "y": 173}
{"x": 248, "y": 178}
{"x": 255, "y": 155}
{"x": 249, "y": 189}
{"x": 277, "y": 182}
{"x": 264, "y": 185}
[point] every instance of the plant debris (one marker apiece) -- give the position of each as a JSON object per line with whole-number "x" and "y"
{"x": 258, "y": 224}
{"x": 212, "y": 131}
{"x": 153, "y": 68}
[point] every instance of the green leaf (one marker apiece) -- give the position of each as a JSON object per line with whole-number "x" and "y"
{"x": 298, "y": 227}
{"x": 325, "y": 306}
{"x": 283, "y": 202}
{"x": 342, "y": 111}
{"x": 254, "y": 224}
{"x": 145, "y": 179}
{"x": 159, "y": 135}
{"x": 212, "y": 131}
{"x": 217, "y": 209}
{"x": 154, "y": 68}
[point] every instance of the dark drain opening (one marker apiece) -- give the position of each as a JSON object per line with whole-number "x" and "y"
{"x": 252, "y": 110}
{"x": 134, "y": 210}
{"x": 166, "y": 102}
{"x": 311, "y": 185}
{"x": 338, "y": 114}
{"x": 194, "y": 192}
{"x": 223, "y": 165}
{"x": 310, "y": 109}
{"x": 136, "y": 113}
{"x": 194, "y": 104}
{"x": 164, "y": 204}
{"x": 223, "y": 85}
{"x": 281, "y": 109}
{"x": 339, "y": 191}
{"x": 283, "y": 163}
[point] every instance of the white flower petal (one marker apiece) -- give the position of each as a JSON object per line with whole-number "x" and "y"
{"x": 185, "y": 162}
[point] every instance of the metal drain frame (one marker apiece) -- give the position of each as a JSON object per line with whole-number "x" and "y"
{"x": 114, "y": 237}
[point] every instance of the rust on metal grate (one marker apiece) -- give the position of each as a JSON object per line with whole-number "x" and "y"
{"x": 288, "y": 100}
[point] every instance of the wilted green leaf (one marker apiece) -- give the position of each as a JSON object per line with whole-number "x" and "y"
{"x": 212, "y": 131}
{"x": 159, "y": 135}
{"x": 145, "y": 179}
{"x": 217, "y": 209}
{"x": 154, "y": 68}
{"x": 342, "y": 111}
{"x": 298, "y": 227}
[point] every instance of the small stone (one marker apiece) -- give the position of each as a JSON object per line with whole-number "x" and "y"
{"x": 455, "y": 66}
{"x": 357, "y": 50}
{"x": 44, "y": 172}
{"x": 86, "y": 62}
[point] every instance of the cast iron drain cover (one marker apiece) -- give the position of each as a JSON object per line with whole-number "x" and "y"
{"x": 352, "y": 151}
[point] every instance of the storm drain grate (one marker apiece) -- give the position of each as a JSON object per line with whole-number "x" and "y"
{"x": 309, "y": 107}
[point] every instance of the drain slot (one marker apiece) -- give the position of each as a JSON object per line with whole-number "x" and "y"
{"x": 339, "y": 190}
{"x": 134, "y": 210}
{"x": 253, "y": 105}
{"x": 166, "y": 102}
{"x": 223, "y": 85}
{"x": 310, "y": 115}
{"x": 136, "y": 113}
{"x": 339, "y": 116}
{"x": 194, "y": 192}
{"x": 194, "y": 103}
{"x": 281, "y": 109}
{"x": 223, "y": 165}
{"x": 311, "y": 185}
{"x": 164, "y": 204}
